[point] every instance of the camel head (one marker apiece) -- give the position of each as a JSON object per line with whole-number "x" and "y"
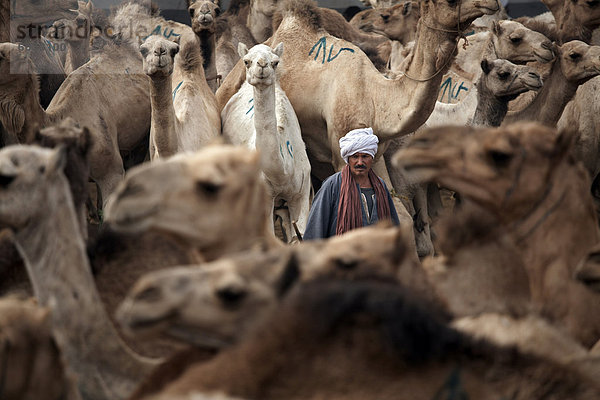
{"x": 212, "y": 198}
{"x": 505, "y": 170}
{"x": 261, "y": 63}
{"x": 77, "y": 28}
{"x": 14, "y": 60}
{"x": 398, "y": 22}
{"x": 521, "y": 44}
{"x": 507, "y": 80}
{"x": 578, "y": 17}
{"x": 159, "y": 56}
{"x": 204, "y": 15}
{"x": 27, "y": 175}
{"x": 449, "y": 14}
{"x": 212, "y": 304}
{"x": 579, "y": 61}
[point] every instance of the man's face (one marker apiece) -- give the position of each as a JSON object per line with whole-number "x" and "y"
{"x": 360, "y": 164}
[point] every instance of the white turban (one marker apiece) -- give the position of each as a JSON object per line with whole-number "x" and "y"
{"x": 358, "y": 141}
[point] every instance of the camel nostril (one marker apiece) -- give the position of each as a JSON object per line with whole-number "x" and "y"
{"x": 6, "y": 180}
{"x": 231, "y": 296}
{"x": 533, "y": 75}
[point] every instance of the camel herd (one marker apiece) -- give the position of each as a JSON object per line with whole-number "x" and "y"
{"x": 156, "y": 178}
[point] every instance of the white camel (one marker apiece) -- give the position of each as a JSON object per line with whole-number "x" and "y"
{"x": 185, "y": 117}
{"x": 260, "y": 116}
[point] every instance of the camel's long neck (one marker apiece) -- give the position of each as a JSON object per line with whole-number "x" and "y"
{"x": 59, "y": 270}
{"x": 548, "y": 105}
{"x": 553, "y": 239}
{"x": 208, "y": 46}
{"x": 163, "y": 136}
{"x": 265, "y": 125}
{"x": 433, "y": 53}
{"x": 566, "y": 201}
{"x": 77, "y": 55}
{"x": 456, "y": 114}
{"x": 490, "y": 110}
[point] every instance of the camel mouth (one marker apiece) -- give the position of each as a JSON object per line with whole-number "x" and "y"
{"x": 146, "y": 326}
{"x": 541, "y": 58}
{"x": 200, "y": 338}
{"x": 127, "y": 221}
{"x": 488, "y": 9}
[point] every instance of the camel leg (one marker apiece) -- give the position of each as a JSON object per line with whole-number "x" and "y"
{"x": 299, "y": 207}
{"x": 106, "y": 165}
{"x": 403, "y": 215}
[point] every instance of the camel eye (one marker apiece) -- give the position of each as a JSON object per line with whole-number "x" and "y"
{"x": 516, "y": 40}
{"x": 208, "y": 189}
{"x": 346, "y": 265}
{"x": 500, "y": 158}
{"x": 274, "y": 64}
{"x": 503, "y": 75}
{"x": 575, "y": 56}
{"x": 191, "y": 10}
{"x": 452, "y": 2}
{"x": 218, "y": 11}
{"x": 247, "y": 62}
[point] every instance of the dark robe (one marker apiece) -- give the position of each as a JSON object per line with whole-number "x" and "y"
{"x": 322, "y": 219}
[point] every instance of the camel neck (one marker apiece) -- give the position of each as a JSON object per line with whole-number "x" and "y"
{"x": 265, "y": 125}
{"x": 77, "y": 55}
{"x": 208, "y": 46}
{"x": 57, "y": 264}
{"x": 432, "y": 55}
{"x": 548, "y": 105}
{"x": 490, "y": 110}
{"x": 21, "y": 103}
{"x": 260, "y": 24}
{"x": 163, "y": 121}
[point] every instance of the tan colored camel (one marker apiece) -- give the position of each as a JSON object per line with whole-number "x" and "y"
{"x": 575, "y": 19}
{"x": 75, "y": 33}
{"x": 31, "y": 366}
{"x": 46, "y": 234}
{"x": 319, "y": 58}
{"x": 501, "y": 82}
{"x": 213, "y": 200}
{"x": 204, "y": 23}
{"x": 523, "y": 173}
{"x": 576, "y": 63}
{"x": 397, "y": 23}
{"x": 103, "y": 103}
{"x": 216, "y": 304}
{"x": 260, "y": 116}
{"x": 186, "y": 118}
{"x": 357, "y": 340}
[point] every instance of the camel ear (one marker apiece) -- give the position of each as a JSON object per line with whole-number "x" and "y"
{"x": 242, "y": 49}
{"x": 496, "y": 28}
{"x": 278, "y": 50}
{"x": 174, "y": 49}
{"x": 144, "y": 50}
{"x": 407, "y": 8}
{"x": 289, "y": 276}
{"x": 89, "y": 7}
{"x": 485, "y": 66}
{"x": 57, "y": 160}
{"x": 564, "y": 142}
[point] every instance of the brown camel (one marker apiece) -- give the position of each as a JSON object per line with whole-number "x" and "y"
{"x": 75, "y": 32}
{"x": 213, "y": 200}
{"x": 576, "y": 63}
{"x": 204, "y": 23}
{"x": 31, "y": 366}
{"x": 36, "y": 204}
{"x": 501, "y": 82}
{"x": 186, "y": 118}
{"x": 370, "y": 339}
{"x": 397, "y": 23}
{"x": 524, "y": 174}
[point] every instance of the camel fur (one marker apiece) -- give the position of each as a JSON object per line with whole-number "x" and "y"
{"x": 186, "y": 118}
{"x": 261, "y": 117}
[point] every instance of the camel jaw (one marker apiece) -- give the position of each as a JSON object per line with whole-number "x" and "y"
{"x": 200, "y": 338}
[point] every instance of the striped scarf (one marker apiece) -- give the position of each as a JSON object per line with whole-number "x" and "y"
{"x": 349, "y": 209}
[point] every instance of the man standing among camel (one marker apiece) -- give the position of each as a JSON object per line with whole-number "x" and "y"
{"x": 354, "y": 197}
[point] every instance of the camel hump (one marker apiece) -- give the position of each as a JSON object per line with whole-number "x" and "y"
{"x": 190, "y": 58}
{"x": 306, "y": 10}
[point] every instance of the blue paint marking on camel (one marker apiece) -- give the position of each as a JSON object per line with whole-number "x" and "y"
{"x": 322, "y": 45}
{"x": 176, "y": 89}
{"x": 251, "y": 108}
{"x": 159, "y": 31}
{"x": 290, "y": 149}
